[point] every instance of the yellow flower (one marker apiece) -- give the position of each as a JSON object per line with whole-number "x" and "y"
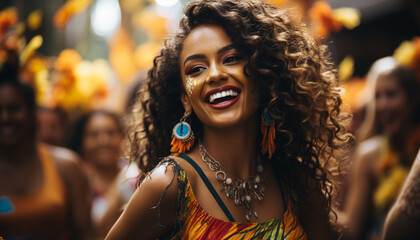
{"x": 349, "y": 17}
{"x": 346, "y": 68}
{"x": 30, "y": 49}
{"x": 92, "y": 82}
{"x": 405, "y": 53}
{"x": 408, "y": 53}
{"x": 36, "y": 64}
{"x": 34, "y": 20}
{"x": 389, "y": 187}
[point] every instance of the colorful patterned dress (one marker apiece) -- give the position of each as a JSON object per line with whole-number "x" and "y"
{"x": 194, "y": 223}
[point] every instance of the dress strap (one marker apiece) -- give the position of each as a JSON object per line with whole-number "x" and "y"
{"x": 209, "y": 186}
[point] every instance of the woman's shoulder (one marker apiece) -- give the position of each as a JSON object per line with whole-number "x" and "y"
{"x": 163, "y": 175}
{"x": 180, "y": 165}
{"x": 371, "y": 145}
{"x": 66, "y": 161}
{"x": 369, "y": 150}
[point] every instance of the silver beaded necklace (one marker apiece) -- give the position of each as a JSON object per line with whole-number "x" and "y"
{"x": 241, "y": 191}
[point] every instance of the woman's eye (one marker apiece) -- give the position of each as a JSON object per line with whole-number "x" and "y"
{"x": 233, "y": 58}
{"x": 195, "y": 70}
{"x": 391, "y": 94}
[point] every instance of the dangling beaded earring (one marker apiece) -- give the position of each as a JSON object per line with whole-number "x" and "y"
{"x": 182, "y": 136}
{"x": 268, "y": 134}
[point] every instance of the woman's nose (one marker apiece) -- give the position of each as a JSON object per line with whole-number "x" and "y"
{"x": 381, "y": 103}
{"x": 216, "y": 73}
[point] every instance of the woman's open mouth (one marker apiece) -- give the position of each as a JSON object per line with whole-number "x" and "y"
{"x": 222, "y": 97}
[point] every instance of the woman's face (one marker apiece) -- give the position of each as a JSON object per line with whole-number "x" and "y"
{"x": 392, "y": 106}
{"x": 15, "y": 121}
{"x": 213, "y": 75}
{"x": 101, "y": 142}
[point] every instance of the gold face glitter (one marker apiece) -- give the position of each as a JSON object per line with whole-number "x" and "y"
{"x": 190, "y": 84}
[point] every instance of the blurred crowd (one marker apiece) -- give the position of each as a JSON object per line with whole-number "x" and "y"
{"x": 63, "y": 174}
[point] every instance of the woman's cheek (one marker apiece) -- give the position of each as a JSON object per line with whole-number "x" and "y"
{"x": 191, "y": 84}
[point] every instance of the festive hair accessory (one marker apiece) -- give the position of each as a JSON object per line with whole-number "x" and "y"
{"x": 182, "y": 135}
{"x": 268, "y": 134}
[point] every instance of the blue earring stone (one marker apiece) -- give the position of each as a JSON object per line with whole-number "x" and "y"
{"x": 267, "y": 116}
{"x": 182, "y": 131}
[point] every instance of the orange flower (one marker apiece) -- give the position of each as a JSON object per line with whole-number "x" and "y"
{"x": 8, "y": 18}
{"x": 69, "y": 10}
{"x": 67, "y": 61}
{"x": 323, "y": 17}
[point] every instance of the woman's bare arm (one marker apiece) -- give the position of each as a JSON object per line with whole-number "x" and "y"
{"x": 151, "y": 212}
{"x": 359, "y": 202}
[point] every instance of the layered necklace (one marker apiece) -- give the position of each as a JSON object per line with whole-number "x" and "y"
{"x": 241, "y": 191}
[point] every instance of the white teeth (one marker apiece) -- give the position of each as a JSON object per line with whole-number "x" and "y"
{"x": 218, "y": 95}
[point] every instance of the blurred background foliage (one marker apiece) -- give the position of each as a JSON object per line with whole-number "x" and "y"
{"x": 87, "y": 54}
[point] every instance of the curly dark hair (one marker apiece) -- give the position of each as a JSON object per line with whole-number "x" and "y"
{"x": 298, "y": 85}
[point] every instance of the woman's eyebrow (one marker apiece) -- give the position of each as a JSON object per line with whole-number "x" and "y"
{"x": 199, "y": 56}
{"x": 192, "y": 57}
{"x": 225, "y": 48}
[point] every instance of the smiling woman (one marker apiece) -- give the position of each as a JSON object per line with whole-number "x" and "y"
{"x": 41, "y": 187}
{"x": 383, "y": 161}
{"x": 97, "y": 136}
{"x": 217, "y": 87}
{"x": 256, "y": 109}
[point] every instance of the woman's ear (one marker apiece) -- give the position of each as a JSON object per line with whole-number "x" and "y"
{"x": 186, "y": 103}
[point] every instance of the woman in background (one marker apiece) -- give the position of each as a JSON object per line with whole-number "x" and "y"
{"x": 42, "y": 188}
{"x": 97, "y": 137}
{"x": 253, "y": 107}
{"x": 383, "y": 161}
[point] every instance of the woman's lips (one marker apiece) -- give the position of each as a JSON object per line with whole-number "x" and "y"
{"x": 222, "y": 97}
{"x": 225, "y": 104}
